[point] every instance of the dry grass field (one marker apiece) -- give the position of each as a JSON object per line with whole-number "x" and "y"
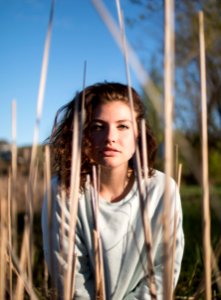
{"x": 191, "y": 283}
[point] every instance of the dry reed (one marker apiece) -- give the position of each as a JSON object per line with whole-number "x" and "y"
{"x": 168, "y": 139}
{"x": 3, "y": 246}
{"x": 13, "y": 192}
{"x": 143, "y": 191}
{"x": 205, "y": 179}
{"x": 99, "y": 266}
{"x": 138, "y": 68}
{"x": 41, "y": 90}
{"x": 9, "y": 230}
{"x": 74, "y": 191}
{"x": 49, "y": 209}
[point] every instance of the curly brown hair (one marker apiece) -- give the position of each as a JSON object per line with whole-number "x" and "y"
{"x": 94, "y": 95}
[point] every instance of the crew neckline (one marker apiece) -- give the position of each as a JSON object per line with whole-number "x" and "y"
{"x": 127, "y": 198}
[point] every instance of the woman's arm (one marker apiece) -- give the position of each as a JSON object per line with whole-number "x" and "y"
{"x": 55, "y": 245}
{"x": 142, "y": 291}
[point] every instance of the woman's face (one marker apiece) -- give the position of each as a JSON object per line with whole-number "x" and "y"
{"x": 112, "y": 135}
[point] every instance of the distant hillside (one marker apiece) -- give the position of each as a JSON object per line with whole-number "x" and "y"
{"x": 23, "y": 158}
{"x": 21, "y": 182}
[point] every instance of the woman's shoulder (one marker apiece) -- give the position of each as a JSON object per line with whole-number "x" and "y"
{"x": 159, "y": 179}
{"x": 157, "y": 176}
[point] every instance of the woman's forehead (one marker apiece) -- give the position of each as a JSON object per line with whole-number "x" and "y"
{"x": 114, "y": 107}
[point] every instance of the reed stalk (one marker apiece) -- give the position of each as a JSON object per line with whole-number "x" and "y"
{"x": 63, "y": 203}
{"x": 9, "y": 231}
{"x": 99, "y": 266}
{"x": 29, "y": 228}
{"x": 180, "y": 167}
{"x": 143, "y": 77}
{"x": 22, "y": 275}
{"x": 205, "y": 176}
{"x": 13, "y": 199}
{"x": 142, "y": 190}
{"x": 78, "y": 122}
{"x": 50, "y": 203}
{"x": 144, "y": 205}
{"x": 19, "y": 290}
{"x": 126, "y": 63}
{"x": 40, "y": 98}
{"x": 42, "y": 85}
{"x": 75, "y": 169}
{"x": 14, "y": 147}
{"x": 3, "y": 245}
{"x": 168, "y": 135}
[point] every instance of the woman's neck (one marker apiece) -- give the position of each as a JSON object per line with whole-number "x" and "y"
{"x": 115, "y": 184}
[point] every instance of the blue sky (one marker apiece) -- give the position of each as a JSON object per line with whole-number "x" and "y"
{"x": 78, "y": 35}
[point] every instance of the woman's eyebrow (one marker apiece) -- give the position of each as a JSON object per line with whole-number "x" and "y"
{"x": 97, "y": 120}
{"x": 118, "y": 121}
{"x": 123, "y": 120}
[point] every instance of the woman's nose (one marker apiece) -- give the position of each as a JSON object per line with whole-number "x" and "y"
{"x": 111, "y": 135}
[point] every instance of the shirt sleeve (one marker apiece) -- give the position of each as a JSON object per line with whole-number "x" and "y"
{"x": 50, "y": 237}
{"x": 55, "y": 247}
{"x": 142, "y": 291}
{"x": 84, "y": 276}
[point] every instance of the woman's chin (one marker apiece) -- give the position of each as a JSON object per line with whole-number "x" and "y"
{"x": 112, "y": 164}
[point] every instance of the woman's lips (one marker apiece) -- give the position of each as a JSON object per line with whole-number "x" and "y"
{"x": 107, "y": 151}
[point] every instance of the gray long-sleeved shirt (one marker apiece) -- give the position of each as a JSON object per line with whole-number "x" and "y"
{"x": 122, "y": 236}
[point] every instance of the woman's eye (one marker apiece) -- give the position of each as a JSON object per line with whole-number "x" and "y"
{"x": 97, "y": 127}
{"x": 123, "y": 126}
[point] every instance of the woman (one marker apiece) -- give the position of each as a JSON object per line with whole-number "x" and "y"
{"x": 111, "y": 133}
